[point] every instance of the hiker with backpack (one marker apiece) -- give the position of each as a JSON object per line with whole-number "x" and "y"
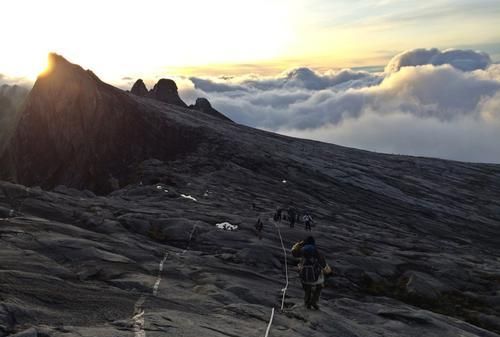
{"x": 307, "y": 219}
{"x": 312, "y": 270}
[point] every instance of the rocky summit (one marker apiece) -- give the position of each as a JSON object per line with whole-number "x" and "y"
{"x": 165, "y": 90}
{"x": 202, "y": 104}
{"x": 139, "y": 88}
{"x": 123, "y": 215}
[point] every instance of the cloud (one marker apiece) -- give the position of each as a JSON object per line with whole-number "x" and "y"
{"x": 467, "y": 139}
{"x": 212, "y": 86}
{"x": 448, "y": 108}
{"x": 466, "y": 60}
{"x": 20, "y": 81}
{"x": 298, "y": 78}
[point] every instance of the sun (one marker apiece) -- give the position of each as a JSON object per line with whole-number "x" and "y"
{"x": 46, "y": 66}
{"x": 25, "y": 65}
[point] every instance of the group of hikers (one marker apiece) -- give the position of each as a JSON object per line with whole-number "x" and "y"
{"x": 290, "y": 215}
{"x": 293, "y": 216}
{"x": 313, "y": 268}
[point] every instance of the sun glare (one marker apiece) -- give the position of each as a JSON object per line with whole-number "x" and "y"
{"x": 23, "y": 64}
{"x": 47, "y": 66}
{"x": 145, "y": 39}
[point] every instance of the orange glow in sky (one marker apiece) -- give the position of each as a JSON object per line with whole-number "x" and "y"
{"x": 146, "y": 38}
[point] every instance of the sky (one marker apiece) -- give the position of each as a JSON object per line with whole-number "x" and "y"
{"x": 118, "y": 38}
{"x": 392, "y": 76}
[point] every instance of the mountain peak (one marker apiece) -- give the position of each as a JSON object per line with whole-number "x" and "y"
{"x": 57, "y": 63}
{"x": 78, "y": 131}
{"x": 56, "y": 59}
{"x": 165, "y": 90}
{"x": 139, "y": 88}
{"x": 202, "y": 104}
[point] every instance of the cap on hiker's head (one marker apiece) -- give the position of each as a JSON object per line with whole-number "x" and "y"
{"x": 309, "y": 241}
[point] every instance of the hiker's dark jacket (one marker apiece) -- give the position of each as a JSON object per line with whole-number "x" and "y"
{"x": 300, "y": 249}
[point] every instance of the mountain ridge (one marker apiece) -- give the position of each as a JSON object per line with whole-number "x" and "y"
{"x": 65, "y": 118}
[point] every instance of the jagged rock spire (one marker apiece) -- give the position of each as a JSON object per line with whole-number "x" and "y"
{"x": 139, "y": 88}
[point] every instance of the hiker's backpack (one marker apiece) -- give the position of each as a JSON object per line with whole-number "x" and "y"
{"x": 311, "y": 267}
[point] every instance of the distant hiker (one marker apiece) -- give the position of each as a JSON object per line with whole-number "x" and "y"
{"x": 312, "y": 270}
{"x": 307, "y": 219}
{"x": 291, "y": 217}
{"x": 277, "y": 215}
{"x": 259, "y": 226}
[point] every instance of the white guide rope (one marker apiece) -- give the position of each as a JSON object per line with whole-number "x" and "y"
{"x": 138, "y": 318}
{"x": 286, "y": 268}
{"x": 286, "y": 284}
{"x": 270, "y": 323}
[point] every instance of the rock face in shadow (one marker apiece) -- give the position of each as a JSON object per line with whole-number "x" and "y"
{"x": 78, "y": 131}
{"x": 165, "y": 90}
{"x": 413, "y": 241}
{"x": 139, "y": 88}
{"x": 12, "y": 98}
{"x": 203, "y": 105}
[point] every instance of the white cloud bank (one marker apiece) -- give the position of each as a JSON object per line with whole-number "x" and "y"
{"x": 466, "y": 60}
{"x": 427, "y": 102}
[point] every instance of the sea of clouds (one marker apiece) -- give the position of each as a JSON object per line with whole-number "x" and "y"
{"x": 426, "y": 102}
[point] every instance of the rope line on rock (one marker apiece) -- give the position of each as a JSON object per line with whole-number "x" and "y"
{"x": 286, "y": 283}
{"x": 286, "y": 268}
{"x": 138, "y": 318}
{"x": 158, "y": 279}
{"x": 270, "y": 323}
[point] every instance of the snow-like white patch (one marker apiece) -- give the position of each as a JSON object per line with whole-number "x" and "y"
{"x": 138, "y": 320}
{"x": 188, "y": 197}
{"x": 284, "y": 181}
{"x": 227, "y": 226}
{"x": 158, "y": 280}
{"x": 159, "y": 187}
{"x": 138, "y": 323}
